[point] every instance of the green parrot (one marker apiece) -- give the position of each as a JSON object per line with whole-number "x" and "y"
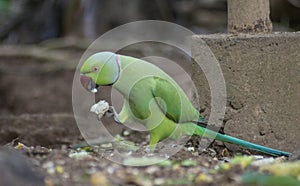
{"x": 152, "y": 98}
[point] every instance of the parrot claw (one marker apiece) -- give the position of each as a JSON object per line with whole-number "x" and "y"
{"x": 103, "y": 109}
{"x": 112, "y": 112}
{"x": 109, "y": 113}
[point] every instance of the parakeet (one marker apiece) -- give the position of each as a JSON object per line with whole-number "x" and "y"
{"x": 153, "y": 98}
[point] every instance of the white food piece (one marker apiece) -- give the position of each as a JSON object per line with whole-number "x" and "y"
{"x": 100, "y": 108}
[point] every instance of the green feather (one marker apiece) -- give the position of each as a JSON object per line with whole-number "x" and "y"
{"x": 225, "y": 138}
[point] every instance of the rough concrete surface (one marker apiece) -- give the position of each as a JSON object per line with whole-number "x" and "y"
{"x": 262, "y": 74}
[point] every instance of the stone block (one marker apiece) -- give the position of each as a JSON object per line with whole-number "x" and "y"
{"x": 262, "y": 75}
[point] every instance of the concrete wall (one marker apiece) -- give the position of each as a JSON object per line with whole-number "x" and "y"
{"x": 262, "y": 74}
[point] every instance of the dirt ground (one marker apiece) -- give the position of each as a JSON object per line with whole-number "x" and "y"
{"x": 36, "y": 120}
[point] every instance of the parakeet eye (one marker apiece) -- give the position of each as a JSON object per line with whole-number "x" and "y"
{"x": 95, "y": 69}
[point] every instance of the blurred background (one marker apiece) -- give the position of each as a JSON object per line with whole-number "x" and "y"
{"x": 41, "y": 41}
{"x": 33, "y": 21}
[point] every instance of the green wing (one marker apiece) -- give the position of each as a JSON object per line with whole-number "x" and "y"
{"x": 173, "y": 101}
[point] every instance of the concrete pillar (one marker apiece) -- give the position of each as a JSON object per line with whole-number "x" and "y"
{"x": 249, "y": 16}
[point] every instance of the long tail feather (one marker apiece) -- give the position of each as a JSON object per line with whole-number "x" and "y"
{"x": 225, "y": 138}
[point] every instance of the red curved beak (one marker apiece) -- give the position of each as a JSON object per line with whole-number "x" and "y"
{"x": 88, "y": 83}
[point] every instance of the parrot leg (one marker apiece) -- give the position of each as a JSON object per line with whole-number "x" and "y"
{"x": 124, "y": 114}
{"x": 153, "y": 142}
{"x": 112, "y": 113}
{"x": 103, "y": 109}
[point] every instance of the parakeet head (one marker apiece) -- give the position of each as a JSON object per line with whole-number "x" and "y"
{"x": 102, "y": 68}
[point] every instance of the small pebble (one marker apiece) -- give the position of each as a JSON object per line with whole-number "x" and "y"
{"x": 203, "y": 178}
{"x": 159, "y": 181}
{"x": 49, "y": 166}
{"x": 191, "y": 149}
{"x": 152, "y": 169}
{"x": 79, "y": 155}
{"x": 99, "y": 179}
